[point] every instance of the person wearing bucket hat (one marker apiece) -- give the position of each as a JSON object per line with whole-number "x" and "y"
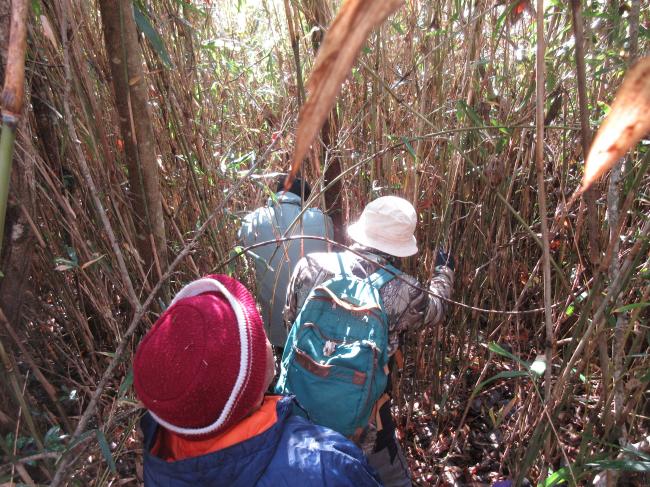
{"x": 202, "y": 372}
{"x": 383, "y": 234}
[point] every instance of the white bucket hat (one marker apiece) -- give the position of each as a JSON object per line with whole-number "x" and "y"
{"x": 387, "y": 224}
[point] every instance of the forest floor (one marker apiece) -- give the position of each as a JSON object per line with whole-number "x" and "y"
{"x": 443, "y": 448}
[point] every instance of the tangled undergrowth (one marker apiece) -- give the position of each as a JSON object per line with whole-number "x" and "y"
{"x": 440, "y": 109}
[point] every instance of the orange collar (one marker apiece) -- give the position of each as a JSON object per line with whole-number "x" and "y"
{"x": 171, "y": 447}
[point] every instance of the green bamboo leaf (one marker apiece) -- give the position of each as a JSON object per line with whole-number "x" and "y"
{"x": 622, "y": 464}
{"x": 555, "y": 478}
{"x": 36, "y": 8}
{"x": 498, "y": 349}
{"x": 498, "y": 29}
{"x": 52, "y": 439}
{"x": 507, "y": 374}
{"x": 409, "y": 148}
{"x": 645, "y": 377}
{"x": 470, "y": 113}
{"x": 126, "y": 383}
{"x": 144, "y": 25}
{"x": 79, "y": 439}
{"x": 633, "y": 451}
{"x": 629, "y": 307}
{"x": 106, "y": 450}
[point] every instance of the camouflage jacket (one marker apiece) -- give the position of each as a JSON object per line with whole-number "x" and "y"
{"x": 407, "y": 307}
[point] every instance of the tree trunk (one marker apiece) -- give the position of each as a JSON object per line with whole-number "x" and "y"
{"x": 130, "y": 91}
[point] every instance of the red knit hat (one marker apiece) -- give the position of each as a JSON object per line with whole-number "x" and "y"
{"x": 202, "y": 366}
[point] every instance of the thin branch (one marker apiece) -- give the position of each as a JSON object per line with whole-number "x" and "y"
{"x": 277, "y": 241}
{"x": 540, "y": 80}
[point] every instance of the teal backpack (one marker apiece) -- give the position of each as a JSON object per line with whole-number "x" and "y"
{"x": 336, "y": 355}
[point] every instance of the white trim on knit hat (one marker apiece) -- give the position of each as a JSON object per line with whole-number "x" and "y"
{"x": 195, "y": 288}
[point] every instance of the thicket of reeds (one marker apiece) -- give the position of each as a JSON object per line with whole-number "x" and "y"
{"x": 440, "y": 109}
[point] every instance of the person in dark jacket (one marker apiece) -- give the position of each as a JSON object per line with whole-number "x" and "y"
{"x": 201, "y": 372}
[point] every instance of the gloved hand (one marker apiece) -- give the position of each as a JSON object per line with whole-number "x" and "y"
{"x": 446, "y": 259}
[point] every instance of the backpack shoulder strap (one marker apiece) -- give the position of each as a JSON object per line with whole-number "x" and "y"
{"x": 383, "y": 276}
{"x": 343, "y": 270}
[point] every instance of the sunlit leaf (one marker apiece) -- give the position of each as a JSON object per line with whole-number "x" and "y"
{"x": 555, "y": 478}
{"x": 335, "y": 58}
{"x": 93, "y": 261}
{"x": 48, "y": 31}
{"x": 627, "y": 122}
{"x": 539, "y": 365}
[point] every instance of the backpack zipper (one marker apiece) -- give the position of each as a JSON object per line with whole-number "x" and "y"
{"x": 375, "y": 364}
{"x": 374, "y": 311}
{"x": 325, "y": 337}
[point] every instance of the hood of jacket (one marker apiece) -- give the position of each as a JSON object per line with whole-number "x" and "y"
{"x": 285, "y": 197}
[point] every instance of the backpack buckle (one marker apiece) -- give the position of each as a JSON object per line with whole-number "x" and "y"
{"x": 329, "y": 348}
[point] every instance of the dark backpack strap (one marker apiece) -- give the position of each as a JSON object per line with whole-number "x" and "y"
{"x": 382, "y": 276}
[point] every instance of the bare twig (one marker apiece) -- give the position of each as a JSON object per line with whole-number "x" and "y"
{"x": 540, "y": 80}
{"x": 140, "y": 312}
{"x": 277, "y": 241}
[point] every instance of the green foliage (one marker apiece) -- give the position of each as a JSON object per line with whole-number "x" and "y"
{"x": 556, "y": 478}
{"x": 144, "y": 25}
{"x": 106, "y": 450}
{"x": 126, "y": 383}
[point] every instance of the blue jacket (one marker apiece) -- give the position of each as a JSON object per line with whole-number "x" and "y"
{"x": 274, "y": 264}
{"x": 293, "y": 452}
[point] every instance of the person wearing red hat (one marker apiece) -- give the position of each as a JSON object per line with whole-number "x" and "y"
{"x": 202, "y": 371}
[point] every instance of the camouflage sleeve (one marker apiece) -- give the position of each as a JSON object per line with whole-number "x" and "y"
{"x": 295, "y": 284}
{"x": 441, "y": 285}
{"x": 409, "y": 307}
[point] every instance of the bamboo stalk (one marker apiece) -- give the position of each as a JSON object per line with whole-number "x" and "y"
{"x": 540, "y": 80}
{"x": 295, "y": 47}
{"x": 130, "y": 90}
{"x": 585, "y": 132}
{"x": 7, "y": 139}
{"x": 12, "y": 97}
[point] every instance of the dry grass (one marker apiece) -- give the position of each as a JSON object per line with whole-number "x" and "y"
{"x": 439, "y": 109}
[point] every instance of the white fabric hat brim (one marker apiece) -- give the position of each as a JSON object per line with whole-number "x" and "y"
{"x": 357, "y": 232}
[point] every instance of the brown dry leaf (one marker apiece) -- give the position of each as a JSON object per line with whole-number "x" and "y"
{"x": 48, "y": 32}
{"x": 335, "y": 58}
{"x": 627, "y": 122}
